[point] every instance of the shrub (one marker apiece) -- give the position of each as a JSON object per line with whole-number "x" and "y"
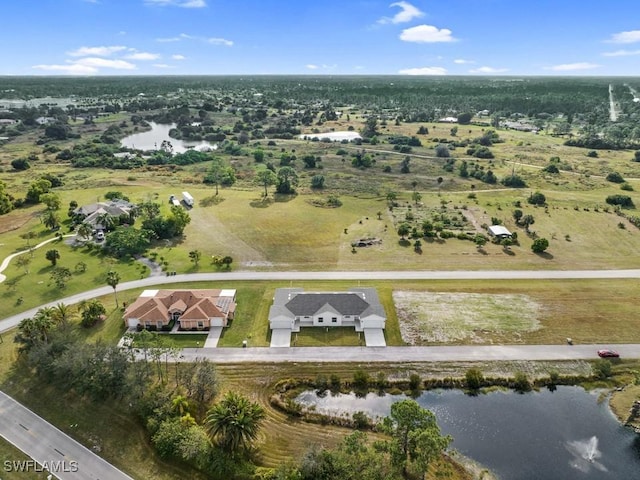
{"x": 442, "y": 151}
{"x": 602, "y": 368}
{"x": 521, "y": 382}
{"x": 20, "y": 164}
{"x": 474, "y": 378}
{"x": 592, "y": 154}
{"x": 514, "y": 181}
{"x": 540, "y": 245}
{"x": 360, "y": 420}
{"x": 361, "y": 379}
{"x": 622, "y": 200}
{"x": 537, "y": 198}
{"x": 334, "y": 381}
{"x": 626, "y": 187}
{"x": 615, "y": 177}
{"x": 551, "y": 168}
{"x": 414, "y": 382}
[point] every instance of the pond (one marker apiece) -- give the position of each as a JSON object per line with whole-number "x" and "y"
{"x": 565, "y": 434}
{"x": 152, "y": 139}
{"x": 333, "y": 136}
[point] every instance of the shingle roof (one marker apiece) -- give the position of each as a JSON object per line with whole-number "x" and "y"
{"x": 194, "y": 305}
{"x": 294, "y": 302}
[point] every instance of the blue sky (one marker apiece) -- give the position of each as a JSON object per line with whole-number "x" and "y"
{"x": 336, "y": 37}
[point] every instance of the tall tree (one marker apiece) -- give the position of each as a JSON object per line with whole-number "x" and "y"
{"x": 415, "y": 436}
{"x": 85, "y": 231}
{"x": 287, "y": 180}
{"x": 50, "y": 219}
{"x": 195, "y": 256}
{"x": 234, "y": 423}
{"x": 113, "y": 279}
{"x": 266, "y": 178}
{"x": 53, "y": 256}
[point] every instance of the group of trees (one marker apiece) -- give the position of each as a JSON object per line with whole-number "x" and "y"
{"x": 414, "y": 443}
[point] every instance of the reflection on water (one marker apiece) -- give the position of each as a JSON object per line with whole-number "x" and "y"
{"x": 547, "y": 435}
{"x": 159, "y": 132}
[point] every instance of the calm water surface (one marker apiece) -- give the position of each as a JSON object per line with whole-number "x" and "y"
{"x": 545, "y": 435}
{"x": 152, "y": 139}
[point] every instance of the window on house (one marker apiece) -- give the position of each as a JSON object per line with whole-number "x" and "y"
{"x": 334, "y": 319}
{"x": 200, "y": 324}
{"x": 320, "y": 319}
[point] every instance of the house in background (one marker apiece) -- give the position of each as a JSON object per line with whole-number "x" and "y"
{"x": 190, "y": 309}
{"x": 293, "y": 308}
{"x": 92, "y": 214}
{"x": 499, "y": 232}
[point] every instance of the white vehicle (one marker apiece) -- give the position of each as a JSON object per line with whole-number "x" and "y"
{"x": 174, "y": 201}
{"x": 187, "y": 199}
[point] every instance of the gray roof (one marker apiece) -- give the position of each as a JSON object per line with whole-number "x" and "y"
{"x": 294, "y": 302}
{"x": 309, "y": 303}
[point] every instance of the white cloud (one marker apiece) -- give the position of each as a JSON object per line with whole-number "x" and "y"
{"x": 142, "y": 56}
{"x": 178, "y": 57}
{"x": 184, "y": 36}
{"x": 569, "y": 67}
{"x": 220, "y": 41}
{"x": 407, "y": 13}
{"x": 70, "y": 69}
{"x": 631, "y": 36}
{"x": 621, "y": 53}
{"x": 98, "y": 51}
{"x": 168, "y": 39}
{"x": 162, "y": 65}
{"x": 488, "y": 70}
{"x": 424, "y": 71}
{"x": 177, "y": 3}
{"x": 104, "y": 63}
{"x": 426, "y": 34}
{"x": 462, "y": 61}
{"x": 311, "y": 66}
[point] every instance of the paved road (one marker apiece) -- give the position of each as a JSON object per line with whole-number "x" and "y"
{"x": 66, "y": 458}
{"x": 405, "y": 354}
{"x": 13, "y": 321}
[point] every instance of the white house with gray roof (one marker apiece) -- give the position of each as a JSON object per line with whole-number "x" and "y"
{"x": 293, "y": 308}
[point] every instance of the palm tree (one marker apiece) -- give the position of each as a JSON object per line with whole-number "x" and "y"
{"x": 113, "y": 278}
{"x": 106, "y": 221}
{"x": 180, "y": 405}
{"x": 85, "y": 230}
{"x": 43, "y": 322}
{"x": 61, "y": 314}
{"x": 234, "y": 422}
{"x": 53, "y": 256}
{"x": 51, "y": 219}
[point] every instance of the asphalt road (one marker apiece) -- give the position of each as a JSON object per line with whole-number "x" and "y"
{"x": 44, "y": 443}
{"x": 405, "y": 354}
{"x": 11, "y": 322}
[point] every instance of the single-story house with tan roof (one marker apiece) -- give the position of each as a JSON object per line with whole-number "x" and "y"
{"x": 191, "y": 309}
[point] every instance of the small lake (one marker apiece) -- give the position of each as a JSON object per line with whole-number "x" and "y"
{"x": 333, "y": 136}
{"x": 152, "y": 139}
{"x": 560, "y": 435}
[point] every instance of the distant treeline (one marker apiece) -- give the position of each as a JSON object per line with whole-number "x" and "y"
{"x": 419, "y": 99}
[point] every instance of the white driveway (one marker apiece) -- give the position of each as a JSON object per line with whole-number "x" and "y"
{"x": 280, "y": 337}
{"x": 213, "y": 337}
{"x": 374, "y": 337}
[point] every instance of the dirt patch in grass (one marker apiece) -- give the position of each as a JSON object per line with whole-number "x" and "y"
{"x": 428, "y": 317}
